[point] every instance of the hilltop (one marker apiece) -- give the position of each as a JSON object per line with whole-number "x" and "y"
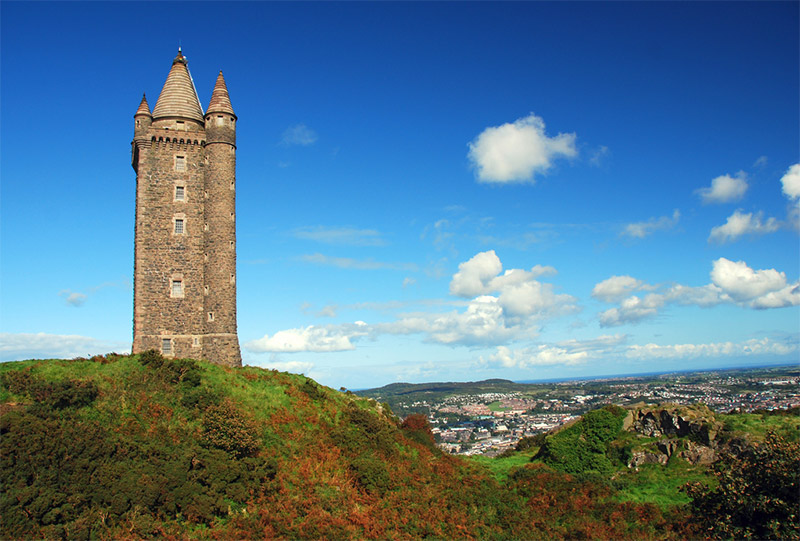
{"x": 142, "y": 446}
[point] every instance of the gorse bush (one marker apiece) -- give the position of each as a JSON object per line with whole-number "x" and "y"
{"x": 225, "y": 428}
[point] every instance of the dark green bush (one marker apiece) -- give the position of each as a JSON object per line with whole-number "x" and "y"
{"x": 371, "y": 474}
{"x": 225, "y": 428}
{"x": 757, "y": 495}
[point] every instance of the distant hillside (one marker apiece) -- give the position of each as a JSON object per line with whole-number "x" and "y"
{"x": 141, "y": 446}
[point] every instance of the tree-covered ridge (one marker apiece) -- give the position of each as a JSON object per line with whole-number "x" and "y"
{"x": 142, "y": 446}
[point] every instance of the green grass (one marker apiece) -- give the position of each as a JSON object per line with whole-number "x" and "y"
{"x": 495, "y": 406}
{"x": 501, "y": 467}
{"x": 757, "y": 425}
{"x": 658, "y": 484}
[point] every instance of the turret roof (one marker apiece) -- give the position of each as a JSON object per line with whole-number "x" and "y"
{"x": 144, "y": 108}
{"x": 178, "y": 97}
{"x": 220, "y": 101}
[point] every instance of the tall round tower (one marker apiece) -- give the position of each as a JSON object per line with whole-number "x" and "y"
{"x": 220, "y": 228}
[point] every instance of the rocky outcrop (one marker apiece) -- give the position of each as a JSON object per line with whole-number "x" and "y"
{"x": 691, "y": 432}
{"x": 698, "y": 422}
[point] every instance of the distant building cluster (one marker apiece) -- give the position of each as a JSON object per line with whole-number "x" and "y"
{"x": 490, "y": 423}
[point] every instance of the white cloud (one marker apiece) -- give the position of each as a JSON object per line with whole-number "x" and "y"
{"x": 640, "y": 230}
{"x": 569, "y": 352}
{"x": 744, "y": 284}
{"x": 761, "y": 161}
{"x": 725, "y": 189}
{"x": 632, "y": 310}
{"x": 519, "y": 293}
{"x": 18, "y": 346}
{"x": 535, "y": 356}
{"x": 298, "y": 134}
{"x": 731, "y": 282}
{"x": 791, "y": 182}
{"x": 473, "y": 276}
{"x": 408, "y": 282}
{"x": 348, "y": 263}
{"x": 347, "y": 236}
{"x": 312, "y": 338}
{"x": 751, "y": 347}
{"x": 517, "y": 151}
{"x": 294, "y": 367}
{"x": 739, "y": 224}
{"x": 616, "y": 288}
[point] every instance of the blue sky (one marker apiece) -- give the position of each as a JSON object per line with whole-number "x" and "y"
{"x": 426, "y": 191}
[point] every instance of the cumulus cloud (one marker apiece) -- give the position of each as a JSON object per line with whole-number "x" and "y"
{"x": 18, "y": 346}
{"x": 731, "y": 282}
{"x": 298, "y": 134}
{"x": 632, "y": 310}
{"x": 791, "y": 182}
{"x": 516, "y": 152}
{"x": 763, "y": 346}
{"x": 347, "y": 236}
{"x": 725, "y": 189}
{"x": 740, "y": 223}
{"x": 501, "y": 306}
{"x": 640, "y": 230}
{"x": 518, "y": 292}
{"x": 744, "y": 284}
{"x": 312, "y": 338}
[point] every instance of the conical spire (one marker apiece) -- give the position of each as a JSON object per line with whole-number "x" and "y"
{"x": 220, "y": 101}
{"x": 144, "y": 108}
{"x": 178, "y": 97}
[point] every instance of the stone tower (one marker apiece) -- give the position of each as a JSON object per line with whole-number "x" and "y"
{"x": 184, "y": 292}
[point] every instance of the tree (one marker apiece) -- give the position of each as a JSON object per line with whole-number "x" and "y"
{"x": 757, "y": 497}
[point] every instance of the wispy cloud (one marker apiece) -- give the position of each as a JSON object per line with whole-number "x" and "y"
{"x": 640, "y": 230}
{"x": 362, "y": 264}
{"x": 18, "y": 346}
{"x": 516, "y": 152}
{"x": 298, "y": 134}
{"x": 78, "y": 299}
{"x": 346, "y": 236}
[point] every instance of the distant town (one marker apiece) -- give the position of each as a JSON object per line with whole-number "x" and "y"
{"x": 490, "y": 417}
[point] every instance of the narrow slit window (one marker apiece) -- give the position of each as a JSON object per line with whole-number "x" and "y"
{"x": 166, "y": 346}
{"x": 220, "y": 120}
{"x": 180, "y": 163}
{"x": 211, "y": 316}
{"x": 195, "y": 342}
{"x": 179, "y": 125}
{"x": 233, "y": 278}
{"x": 205, "y": 290}
{"x": 180, "y": 193}
{"x": 179, "y": 226}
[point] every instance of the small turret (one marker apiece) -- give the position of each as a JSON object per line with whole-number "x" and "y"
{"x": 220, "y": 118}
{"x": 142, "y": 118}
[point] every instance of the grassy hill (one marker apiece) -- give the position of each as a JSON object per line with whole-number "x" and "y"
{"x": 141, "y": 446}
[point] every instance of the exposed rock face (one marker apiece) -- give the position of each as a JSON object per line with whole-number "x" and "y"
{"x": 697, "y": 423}
{"x": 696, "y": 427}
